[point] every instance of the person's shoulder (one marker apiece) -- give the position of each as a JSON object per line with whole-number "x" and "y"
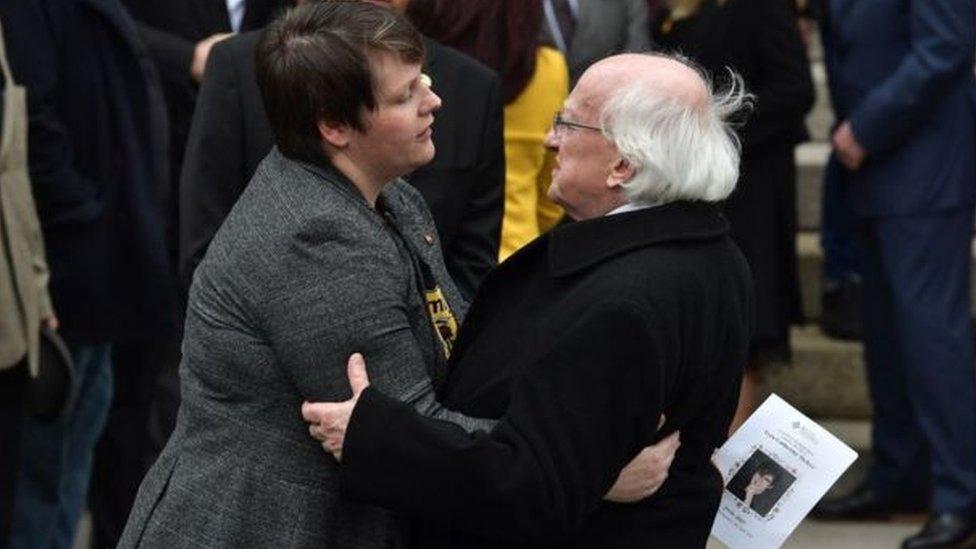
{"x": 289, "y": 220}
{"x": 238, "y": 48}
{"x": 307, "y": 196}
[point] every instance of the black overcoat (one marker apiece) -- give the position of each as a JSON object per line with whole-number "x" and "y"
{"x": 579, "y": 342}
{"x": 97, "y": 154}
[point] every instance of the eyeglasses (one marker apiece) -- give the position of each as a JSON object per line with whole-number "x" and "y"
{"x": 559, "y": 124}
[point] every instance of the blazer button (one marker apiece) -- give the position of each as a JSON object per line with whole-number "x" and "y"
{"x": 429, "y": 239}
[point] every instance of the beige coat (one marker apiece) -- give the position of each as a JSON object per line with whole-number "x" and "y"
{"x": 24, "y": 299}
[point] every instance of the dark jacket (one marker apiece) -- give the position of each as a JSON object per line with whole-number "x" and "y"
{"x": 170, "y": 30}
{"x": 578, "y": 342}
{"x": 463, "y": 186}
{"x": 902, "y": 72}
{"x": 98, "y": 146}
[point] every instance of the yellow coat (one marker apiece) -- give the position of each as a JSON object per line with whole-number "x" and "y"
{"x": 528, "y": 165}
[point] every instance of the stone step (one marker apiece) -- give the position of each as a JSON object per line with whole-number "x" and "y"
{"x": 810, "y": 270}
{"x": 811, "y": 160}
{"x": 826, "y": 379}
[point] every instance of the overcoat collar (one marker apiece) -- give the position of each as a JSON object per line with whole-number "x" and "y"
{"x": 581, "y": 245}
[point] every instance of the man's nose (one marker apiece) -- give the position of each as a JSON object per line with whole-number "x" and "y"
{"x": 552, "y": 140}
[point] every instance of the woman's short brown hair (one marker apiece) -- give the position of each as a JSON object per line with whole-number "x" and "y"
{"x": 313, "y": 65}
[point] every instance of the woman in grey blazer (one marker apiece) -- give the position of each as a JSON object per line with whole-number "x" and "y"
{"x": 313, "y": 263}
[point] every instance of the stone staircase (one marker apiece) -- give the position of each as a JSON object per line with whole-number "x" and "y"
{"x": 827, "y": 378}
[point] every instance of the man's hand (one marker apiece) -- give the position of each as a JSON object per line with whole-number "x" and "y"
{"x": 850, "y": 153}
{"x": 201, "y": 52}
{"x": 646, "y": 473}
{"x": 51, "y": 322}
{"x": 330, "y": 419}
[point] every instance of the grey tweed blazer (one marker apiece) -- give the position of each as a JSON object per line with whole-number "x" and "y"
{"x": 302, "y": 274}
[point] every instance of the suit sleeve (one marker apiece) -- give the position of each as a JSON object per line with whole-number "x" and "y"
{"x": 63, "y": 195}
{"x": 316, "y": 322}
{"x": 568, "y": 430}
{"x": 474, "y": 251}
{"x": 943, "y": 40}
{"x": 784, "y": 90}
{"x": 214, "y": 164}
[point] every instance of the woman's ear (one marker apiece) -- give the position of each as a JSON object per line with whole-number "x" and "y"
{"x": 336, "y": 135}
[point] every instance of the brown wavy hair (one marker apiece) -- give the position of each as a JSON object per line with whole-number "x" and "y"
{"x": 503, "y": 34}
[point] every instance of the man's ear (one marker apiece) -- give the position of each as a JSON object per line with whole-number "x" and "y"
{"x": 336, "y": 135}
{"x": 620, "y": 172}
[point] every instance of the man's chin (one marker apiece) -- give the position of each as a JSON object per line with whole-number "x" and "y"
{"x": 553, "y": 194}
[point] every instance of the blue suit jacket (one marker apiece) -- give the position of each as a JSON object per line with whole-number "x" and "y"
{"x": 902, "y": 72}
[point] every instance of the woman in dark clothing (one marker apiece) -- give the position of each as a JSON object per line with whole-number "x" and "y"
{"x": 760, "y": 39}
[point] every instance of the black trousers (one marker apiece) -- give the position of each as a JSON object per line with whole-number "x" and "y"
{"x": 138, "y": 425}
{"x": 13, "y": 385}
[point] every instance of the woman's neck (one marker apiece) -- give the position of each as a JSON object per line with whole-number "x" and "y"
{"x": 368, "y": 184}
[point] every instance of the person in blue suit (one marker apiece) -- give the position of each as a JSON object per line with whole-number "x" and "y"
{"x": 901, "y": 75}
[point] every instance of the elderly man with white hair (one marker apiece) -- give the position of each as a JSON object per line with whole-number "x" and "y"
{"x": 582, "y": 340}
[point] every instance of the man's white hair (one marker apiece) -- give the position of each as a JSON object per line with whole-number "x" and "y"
{"x": 680, "y": 151}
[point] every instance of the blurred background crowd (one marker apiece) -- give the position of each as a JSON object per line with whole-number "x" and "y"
{"x": 130, "y": 127}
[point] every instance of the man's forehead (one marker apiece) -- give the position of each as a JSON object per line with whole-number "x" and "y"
{"x": 580, "y": 101}
{"x": 593, "y": 89}
{"x": 661, "y": 74}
